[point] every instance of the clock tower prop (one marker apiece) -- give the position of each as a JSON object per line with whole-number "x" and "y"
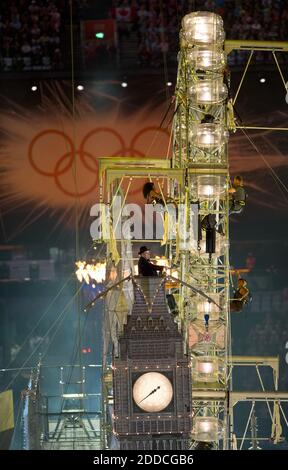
{"x": 151, "y": 375}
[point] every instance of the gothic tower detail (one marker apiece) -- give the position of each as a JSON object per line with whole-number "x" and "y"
{"x": 152, "y": 402}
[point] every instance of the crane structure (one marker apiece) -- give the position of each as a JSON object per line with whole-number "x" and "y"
{"x": 200, "y": 129}
{"x": 195, "y": 215}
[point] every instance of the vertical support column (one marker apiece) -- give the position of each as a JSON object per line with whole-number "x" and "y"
{"x": 200, "y": 137}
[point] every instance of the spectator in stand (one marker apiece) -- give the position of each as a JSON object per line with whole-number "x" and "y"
{"x": 24, "y": 23}
{"x": 122, "y": 13}
{"x": 250, "y": 261}
{"x": 157, "y": 27}
{"x": 55, "y": 20}
{"x": 30, "y": 34}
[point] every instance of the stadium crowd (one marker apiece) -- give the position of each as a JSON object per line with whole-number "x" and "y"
{"x": 30, "y": 34}
{"x": 156, "y": 23}
{"x": 31, "y": 31}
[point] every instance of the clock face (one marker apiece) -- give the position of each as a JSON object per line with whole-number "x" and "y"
{"x": 152, "y": 392}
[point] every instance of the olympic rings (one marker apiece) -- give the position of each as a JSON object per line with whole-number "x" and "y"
{"x": 69, "y": 193}
{"x": 147, "y": 129}
{"x": 88, "y": 160}
{"x": 96, "y": 131}
{"x": 37, "y": 137}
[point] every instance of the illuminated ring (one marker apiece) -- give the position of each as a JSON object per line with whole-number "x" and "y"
{"x": 57, "y": 173}
{"x": 147, "y": 129}
{"x": 82, "y": 152}
{"x": 30, "y": 152}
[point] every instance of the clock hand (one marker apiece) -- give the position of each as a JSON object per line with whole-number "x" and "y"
{"x": 151, "y": 393}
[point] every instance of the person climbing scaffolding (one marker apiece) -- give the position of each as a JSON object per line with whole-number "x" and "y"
{"x": 241, "y": 296}
{"x": 237, "y": 200}
{"x": 237, "y": 196}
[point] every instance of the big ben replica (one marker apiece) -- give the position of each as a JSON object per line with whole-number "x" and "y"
{"x": 152, "y": 402}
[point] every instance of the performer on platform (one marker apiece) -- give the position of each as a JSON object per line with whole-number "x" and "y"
{"x": 241, "y": 296}
{"x": 145, "y": 267}
{"x": 154, "y": 197}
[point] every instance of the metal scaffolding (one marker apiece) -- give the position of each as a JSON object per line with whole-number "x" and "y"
{"x": 200, "y": 130}
{"x": 198, "y": 176}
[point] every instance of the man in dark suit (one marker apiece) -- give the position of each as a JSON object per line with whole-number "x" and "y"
{"x": 145, "y": 267}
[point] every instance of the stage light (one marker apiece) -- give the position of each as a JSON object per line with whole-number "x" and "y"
{"x": 262, "y": 80}
{"x": 99, "y": 35}
{"x": 80, "y": 87}
{"x": 207, "y": 369}
{"x": 211, "y": 91}
{"x": 207, "y": 429}
{"x": 210, "y": 185}
{"x": 124, "y": 84}
{"x": 208, "y": 136}
{"x": 34, "y": 88}
{"x": 203, "y": 28}
{"x": 207, "y": 190}
{"x": 206, "y": 58}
